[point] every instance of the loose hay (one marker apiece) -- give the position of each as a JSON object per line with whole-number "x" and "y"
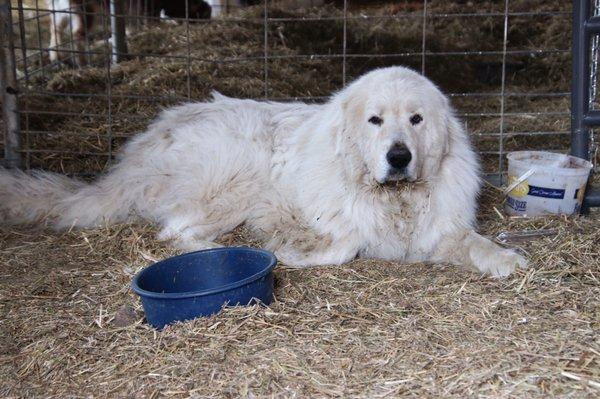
{"x": 71, "y": 327}
{"x": 367, "y": 329}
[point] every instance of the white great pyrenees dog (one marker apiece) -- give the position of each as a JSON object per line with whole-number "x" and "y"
{"x": 382, "y": 170}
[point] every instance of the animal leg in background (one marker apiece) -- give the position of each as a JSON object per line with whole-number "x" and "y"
{"x": 58, "y": 22}
{"x": 78, "y": 16}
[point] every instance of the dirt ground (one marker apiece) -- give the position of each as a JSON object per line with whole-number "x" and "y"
{"x": 70, "y": 325}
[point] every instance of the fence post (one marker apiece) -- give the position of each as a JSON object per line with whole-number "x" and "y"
{"x": 8, "y": 85}
{"x": 118, "y": 35}
{"x": 582, "y": 117}
{"x": 580, "y": 80}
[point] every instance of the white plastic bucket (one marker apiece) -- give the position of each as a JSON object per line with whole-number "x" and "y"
{"x": 541, "y": 183}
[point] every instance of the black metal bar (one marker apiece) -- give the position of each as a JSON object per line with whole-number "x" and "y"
{"x": 592, "y": 26}
{"x": 119, "y": 42}
{"x": 311, "y": 57}
{"x": 580, "y": 135}
{"x": 582, "y": 118}
{"x": 592, "y": 198}
{"x": 115, "y": 58}
{"x": 591, "y": 118}
{"x": 8, "y": 85}
{"x": 22, "y": 37}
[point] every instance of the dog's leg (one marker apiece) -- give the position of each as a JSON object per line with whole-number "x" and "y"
{"x": 305, "y": 248}
{"x": 198, "y": 228}
{"x": 79, "y": 36}
{"x": 335, "y": 254}
{"x": 54, "y": 36}
{"x": 59, "y": 21}
{"x": 469, "y": 249}
{"x": 192, "y": 236}
{"x": 294, "y": 242}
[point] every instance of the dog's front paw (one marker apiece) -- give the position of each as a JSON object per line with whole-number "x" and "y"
{"x": 290, "y": 257}
{"x": 501, "y": 263}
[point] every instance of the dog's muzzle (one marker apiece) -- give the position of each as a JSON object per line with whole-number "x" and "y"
{"x": 398, "y": 158}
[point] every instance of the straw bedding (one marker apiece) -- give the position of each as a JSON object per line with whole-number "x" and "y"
{"x": 71, "y": 327}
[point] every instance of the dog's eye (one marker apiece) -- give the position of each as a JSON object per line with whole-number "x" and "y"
{"x": 376, "y": 120}
{"x": 416, "y": 119}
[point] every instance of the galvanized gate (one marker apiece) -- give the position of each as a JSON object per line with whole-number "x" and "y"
{"x": 585, "y": 114}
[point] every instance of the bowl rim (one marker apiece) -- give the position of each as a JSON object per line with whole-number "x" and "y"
{"x": 188, "y": 294}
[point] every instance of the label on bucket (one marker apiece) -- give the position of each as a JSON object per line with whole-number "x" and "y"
{"x": 530, "y": 199}
{"x": 519, "y": 206}
{"x": 523, "y": 189}
{"x": 546, "y": 192}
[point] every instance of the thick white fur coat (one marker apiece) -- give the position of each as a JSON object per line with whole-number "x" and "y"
{"x": 311, "y": 181}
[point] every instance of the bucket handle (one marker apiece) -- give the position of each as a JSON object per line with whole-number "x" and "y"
{"x": 518, "y": 181}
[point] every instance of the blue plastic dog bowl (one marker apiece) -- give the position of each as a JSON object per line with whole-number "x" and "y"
{"x": 201, "y": 283}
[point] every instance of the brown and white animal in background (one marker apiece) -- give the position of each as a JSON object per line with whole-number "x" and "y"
{"x": 382, "y": 170}
{"x": 75, "y": 19}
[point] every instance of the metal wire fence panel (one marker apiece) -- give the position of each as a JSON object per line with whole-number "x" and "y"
{"x": 83, "y": 88}
{"x": 593, "y": 86}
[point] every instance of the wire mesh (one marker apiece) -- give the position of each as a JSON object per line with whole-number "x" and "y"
{"x": 505, "y": 65}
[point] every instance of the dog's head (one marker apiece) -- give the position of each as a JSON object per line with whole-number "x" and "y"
{"x": 398, "y": 122}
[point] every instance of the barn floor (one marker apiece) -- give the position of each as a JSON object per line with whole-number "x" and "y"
{"x": 71, "y": 327}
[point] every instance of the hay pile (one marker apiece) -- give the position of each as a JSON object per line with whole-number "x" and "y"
{"x": 217, "y": 42}
{"x": 71, "y": 327}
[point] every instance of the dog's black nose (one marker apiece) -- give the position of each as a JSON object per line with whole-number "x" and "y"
{"x": 398, "y": 156}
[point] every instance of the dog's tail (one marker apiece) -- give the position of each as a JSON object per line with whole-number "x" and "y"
{"x": 60, "y": 201}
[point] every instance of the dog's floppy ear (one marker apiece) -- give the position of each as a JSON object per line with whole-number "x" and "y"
{"x": 348, "y": 109}
{"x": 445, "y": 131}
{"x": 335, "y": 124}
{"x": 454, "y": 127}
{"x": 456, "y": 130}
{"x": 338, "y": 121}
